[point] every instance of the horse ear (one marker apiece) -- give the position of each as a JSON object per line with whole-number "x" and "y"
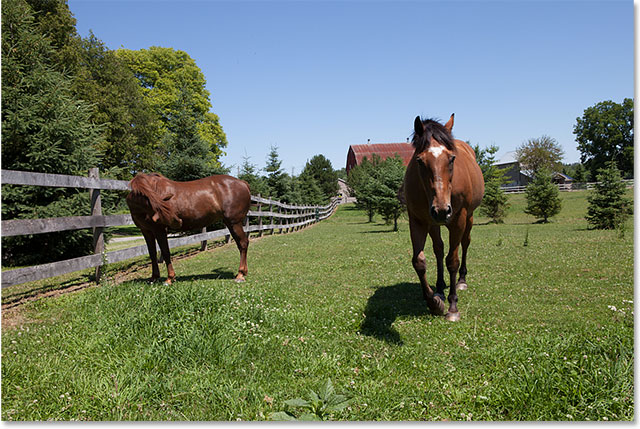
{"x": 449, "y": 124}
{"x": 418, "y": 127}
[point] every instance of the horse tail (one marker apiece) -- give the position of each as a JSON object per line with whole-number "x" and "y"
{"x": 143, "y": 186}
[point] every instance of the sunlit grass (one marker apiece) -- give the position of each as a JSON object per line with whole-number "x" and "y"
{"x": 546, "y": 331}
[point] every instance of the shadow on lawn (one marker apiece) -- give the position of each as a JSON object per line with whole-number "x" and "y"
{"x": 386, "y": 304}
{"x": 216, "y": 274}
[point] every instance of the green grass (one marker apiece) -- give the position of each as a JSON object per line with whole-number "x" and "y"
{"x": 539, "y": 337}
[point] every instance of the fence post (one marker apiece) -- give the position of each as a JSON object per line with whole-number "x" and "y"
{"x": 260, "y": 216}
{"x": 96, "y": 210}
{"x": 203, "y": 243}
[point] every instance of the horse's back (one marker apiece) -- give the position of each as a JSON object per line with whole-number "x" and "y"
{"x": 471, "y": 184}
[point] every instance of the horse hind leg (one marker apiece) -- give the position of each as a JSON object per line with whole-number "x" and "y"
{"x": 166, "y": 255}
{"x": 150, "y": 239}
{"x": 466, "y": 239}
{"x": 242, "y": 241}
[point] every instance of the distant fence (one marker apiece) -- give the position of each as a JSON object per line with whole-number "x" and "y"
{"x": 562, "y": 187}
{"x": 282, "y": 217}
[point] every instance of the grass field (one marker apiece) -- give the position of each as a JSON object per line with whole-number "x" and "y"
{"x": 546, "y": 331}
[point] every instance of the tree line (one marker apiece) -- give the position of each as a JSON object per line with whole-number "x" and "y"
{"x": 605, "y": 139}
{"x": 69, "y": 104}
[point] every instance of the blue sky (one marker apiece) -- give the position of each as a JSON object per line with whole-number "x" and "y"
{"x": 313, "y": 77}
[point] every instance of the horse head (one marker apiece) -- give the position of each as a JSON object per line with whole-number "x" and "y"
{"x": 435, "y": 153}
{"x": 150, "y": 194}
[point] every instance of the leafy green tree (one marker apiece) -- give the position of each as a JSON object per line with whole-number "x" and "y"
{"x": 166, "y": 75}
{"x": 608, "y": 207}
{"x": 321, "y": 170}
{"x": 44, "y": 129}
{"x": 539, "y": 153}
{"x": 543, "y": 200}
{"x": 605, "y": 132}
{"x": 495, "y": 202}
{"x": 276, "y": 179}
{"x": 131, "y": 130}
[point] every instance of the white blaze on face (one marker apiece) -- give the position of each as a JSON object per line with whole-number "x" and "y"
{"x": 436, "y": 151}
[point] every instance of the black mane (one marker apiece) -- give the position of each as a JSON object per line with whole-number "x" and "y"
{"x": 432, "y": 130}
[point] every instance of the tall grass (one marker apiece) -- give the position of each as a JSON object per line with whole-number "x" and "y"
{"x": 546, "y": 331}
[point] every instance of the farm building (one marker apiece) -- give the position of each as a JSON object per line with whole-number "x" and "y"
{"x": 515, "y": 177}
{"x": 518, "y": 178}
{"x": 384, "y": 150}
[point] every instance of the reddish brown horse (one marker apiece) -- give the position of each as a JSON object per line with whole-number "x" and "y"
{"x": 442, "y": 186}
{"x": 158, "y": 204}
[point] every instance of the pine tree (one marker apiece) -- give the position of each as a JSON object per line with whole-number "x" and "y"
{"x": 44, "y": 129}
{"x": 187, "y": 156}
{"x": 249, "y": 173}
{"x": 387, "y": 182}
{"x": 276, "y": 180}
{"x": 320, "y": 168}
{"x": 542, "y": 196}
{"x": 608, "y": 208}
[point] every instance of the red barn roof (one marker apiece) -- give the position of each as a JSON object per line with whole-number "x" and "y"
{"x": 383, "y": 150}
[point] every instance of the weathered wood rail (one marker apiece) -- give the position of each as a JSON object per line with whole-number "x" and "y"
{"x": 563, "y": 187}
{"x": 279, "y": 217}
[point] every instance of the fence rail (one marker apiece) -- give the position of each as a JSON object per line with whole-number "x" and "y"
{"x": 289, "y": 218}
{"x": 562, "y": 187}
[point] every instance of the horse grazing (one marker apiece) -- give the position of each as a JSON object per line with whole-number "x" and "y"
{"x": 158, "y": 204}
{"x": 443, "y": 185}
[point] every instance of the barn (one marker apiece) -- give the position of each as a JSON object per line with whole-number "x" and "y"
{"x": 384, "y": 150}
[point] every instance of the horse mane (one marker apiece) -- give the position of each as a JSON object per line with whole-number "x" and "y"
{"x": 145, "y": 186}
{"x": 432, "y": 130}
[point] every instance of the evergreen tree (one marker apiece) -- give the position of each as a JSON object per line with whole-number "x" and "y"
{"x": 495, "y": 202}
{"x": 608, "y": 208}
{"x": 387, "y": 182}
{"x": 276, "y": 178}
{"x": 44, "y": 129}
{"x": 249, "y": 173}
{"x": 310, "y": 191}
{"x": 189, "y": 157}
{"x": 360, "y": 182}
{"x": 542, "y": 196}
{"x": 325, "y": 176}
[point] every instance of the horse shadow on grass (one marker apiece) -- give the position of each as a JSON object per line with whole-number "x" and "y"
{"x": 387, "y": 304}
{"x": 216, "y": 274}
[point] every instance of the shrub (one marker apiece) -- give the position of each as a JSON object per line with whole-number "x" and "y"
{"x": 608, "y": 208}
{"x": 542, "y": 196}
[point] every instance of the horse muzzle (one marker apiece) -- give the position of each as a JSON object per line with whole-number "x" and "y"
{"x": 441, "y": 215}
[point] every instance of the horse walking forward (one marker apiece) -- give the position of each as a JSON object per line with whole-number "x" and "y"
{"x": 158, "y": 204}
{"x": 443, "y": 185}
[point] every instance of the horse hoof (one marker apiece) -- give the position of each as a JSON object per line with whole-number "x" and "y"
{"x": 437, "y": 309}
{"x": 461, "y": 286}
{"x": 452, "y": 317}
{"x": 240, "y": 279}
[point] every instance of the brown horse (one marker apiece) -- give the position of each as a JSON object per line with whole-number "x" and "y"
{"x": 443, "y": 184}
{"x": 158, "y": 204}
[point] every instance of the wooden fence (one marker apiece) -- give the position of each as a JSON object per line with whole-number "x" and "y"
{"x": 562, "y": 187}
{"x": 271, "y": 216}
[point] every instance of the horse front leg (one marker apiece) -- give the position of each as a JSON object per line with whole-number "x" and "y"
{"x": 438, "y": 250}
{"x": 466, "y": 240}
{"x": 150, "y": 239}
{"x": 456, "y": 230}
{"x": 166, "y": 255}
{"x": 418, "y": 238}
{"x": 242, "y": 241}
